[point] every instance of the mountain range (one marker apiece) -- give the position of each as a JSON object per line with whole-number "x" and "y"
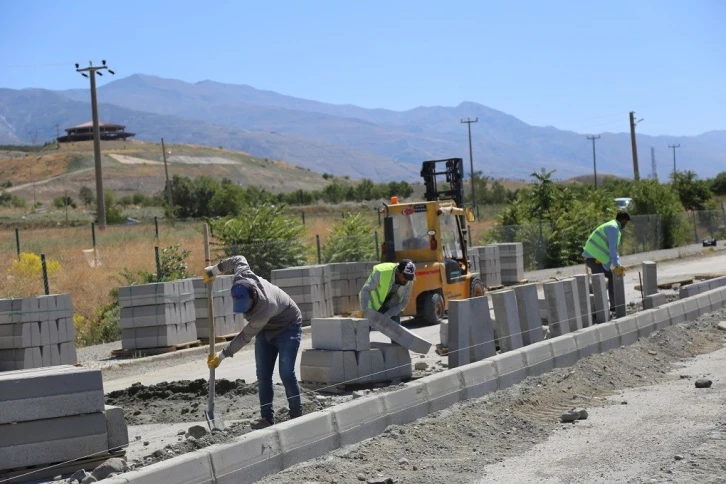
{"x": 343, "y": 140}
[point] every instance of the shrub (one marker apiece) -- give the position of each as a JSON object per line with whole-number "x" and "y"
{"x": 62, "y": 202}
{"x": 351, "y": 240}
{"x": 86, "y": 196}
{"x": 265, "y": 235}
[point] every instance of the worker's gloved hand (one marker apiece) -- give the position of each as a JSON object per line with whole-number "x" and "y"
{"x": 210, "y": 273}
{"x": 214, "y": 361}
{"x": 357, "y": 314}
{"x": 619, "y": 271}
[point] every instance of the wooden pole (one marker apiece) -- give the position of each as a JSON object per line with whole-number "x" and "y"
{"x": 210, "y": 303}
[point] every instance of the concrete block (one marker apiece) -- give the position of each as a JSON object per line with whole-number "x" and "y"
{"x": 717, "y": 300}
{"x": 608, "y": 337}
{"x": 481, "y": 330}
{"x": 52, "y": 440}
{"x": 572, "y": 301}
{"x": 248, "y": 459}
{"x": 650, "y": 278}
{"x": 704, "y": 303}
{"x": 45, "y": 393}
{"x": 11, "y": 310}
{"x": 528, "y": 310}
{"x": 689, "y": 291}
{"x": 157, "y": 293}
{"x": 602, "y": 306}
{"x": 320, "y": 366}
{"x": 158, "y": 336}
{"x": 583, "y": 294}
{"x": 627, "y": 329}
{"x": 556, "y": 308}
{"x": 396, "y": 359}
{"x": 360, "y": 419}
{"x": 444, "y": 389}
{"x": 645, "y": 321}
{"x": 677, "y": 312}
{"x": 564, "y": 350}
{"x": 587, "y": 341}
{"x": 690, "y": 306}
{"x": 20, "y": 359}
{"x": 662, "y": 318}
{"x": 538, "y": 358}
{"x": 397, "y": 333}
{"x": 510, "y": 368}
{"x": 480, "y": 378}
{"x": 19, "y": 335}
{"x": 117, "y": 432}
{"x": 53, "y": 352}
{"x": 150, "y": 316}
{"x": 654, "y": 300}
{"x": 307, "y": 437}
{"x": 407, "y": 404}
{"x": 460, "y": 317}
{"x": 69, "y": 355}
{"x": 340, "y": 334}
{"x": 365, "y": 366}
{"x": 193, "y": 468}
{"x": 506, "y": 324}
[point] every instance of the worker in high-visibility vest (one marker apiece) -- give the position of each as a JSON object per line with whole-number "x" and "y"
{"x": 388, "y": 288}
{"x": 601, "y": 251}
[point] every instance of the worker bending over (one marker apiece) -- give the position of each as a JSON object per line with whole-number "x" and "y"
{"x": 601, "y": 251}
{"x": 388, "y": 288}
{"x": 276, "y": 321}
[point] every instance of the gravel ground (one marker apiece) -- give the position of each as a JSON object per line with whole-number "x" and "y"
{"x": 98, "y": 356}
{"x": 456, "y": 444}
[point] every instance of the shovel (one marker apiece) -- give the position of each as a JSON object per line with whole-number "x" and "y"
{"x": 214, "y": 424}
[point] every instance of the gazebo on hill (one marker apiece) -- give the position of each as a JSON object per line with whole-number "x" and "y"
{"x": 84, "y": 132}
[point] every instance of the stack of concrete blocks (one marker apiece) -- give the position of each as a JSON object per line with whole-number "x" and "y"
{"x": 489, "y": 266}
{"x": 37, "y": 332}
{"x": 652, "y": 299}
{"x": 511, "y": 257}
{"x": 342, "y": 353}
{"x": 53, "y": 415}
{"x": 157, "y": 315}
{"x": 346, "y": 281}
{"x": 225, "y": 322}
{"x": 310, "y": 287}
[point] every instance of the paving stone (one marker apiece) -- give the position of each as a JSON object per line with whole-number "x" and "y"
{"x": 250, "y": 457}
{"x": 608, "y": 336}
{"x": 654, "y": 300}
{"x": 528, "y": 310}
{"x": 360, "y": 419}
{"x": 621, "y": 308}
{"x": 460, "y": 318}
{"x": 600, "y": 290}
{"x": 480, "y": 378}
{"x": 538, "y": 358}
{"x": 506, "y": 324}
{"x": 397, "y": 333}
{"x": 307, "y": 437}
{"x": 396, "y": 359}
{"x": 409, "y": 403}
{"x": 583, "y": 294}
{"x": 572, "y": 301}
{"x": 650, "y": 278}
{"x": 564, "y": 350}
{"x": 320, "y": 366}
{"x": 19, "y": 335}
{"x": 556, "y": 308}
{"x": 340, "y": 334}
{"x": 587, "y": 341}
{"x": 481, "y": 330}
{"x": 117, "y": 432}
{"x": 510, "y": 367}
{"x": 20, "y": 359}
{"x": 444, "y": 389}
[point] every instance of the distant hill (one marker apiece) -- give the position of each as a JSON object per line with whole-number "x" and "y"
{"x": 344, "y": 139}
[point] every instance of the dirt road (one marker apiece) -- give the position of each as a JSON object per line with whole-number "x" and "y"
{"x": 630, "y": 436}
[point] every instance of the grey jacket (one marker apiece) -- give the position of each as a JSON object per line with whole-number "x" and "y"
{"x": 395, "y": 301}
{"x": 273, "y": 312}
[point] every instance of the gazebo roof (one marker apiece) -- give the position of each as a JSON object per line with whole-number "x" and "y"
{"x": 100, "y": 124}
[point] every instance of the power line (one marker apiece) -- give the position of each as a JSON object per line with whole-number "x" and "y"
{"x": 100, "y": 202}
{"x": 594, "y": 162}
{"x": 471, "y": 164}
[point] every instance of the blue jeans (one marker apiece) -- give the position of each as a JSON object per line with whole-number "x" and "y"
{"x": 396, "y": 319}
{"x": 286, "y": 344}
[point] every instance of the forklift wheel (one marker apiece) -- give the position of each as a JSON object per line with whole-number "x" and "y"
{"x": 477, "y": 288}
{"x": 433, "y": 310}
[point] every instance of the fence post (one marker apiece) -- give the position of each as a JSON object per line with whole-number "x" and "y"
{"x": 379, "y": 216}
{"x": 45, "y": 274}
{"x": 469, "y": 234}
{"x": 158, "y": 263}
{"x": 17, "y": 240}
{"x": 317, "y": 242}
{"x": 375, "y": 238}
{"x": 303, "y": 217}
{"x": 156, "y": 227}
{"x": 93, "y": 234}
{"x": 695, "y": 229}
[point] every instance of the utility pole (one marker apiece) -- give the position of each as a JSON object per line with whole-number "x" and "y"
{"x": 654, "y": 173}
{"x": 471, "y": 165}
{"x": 168, "y": 185}
{"x": 633, "y": 123}
{"x": 100, "y": 203}
{"x": 594, "y": 163}
{"x": 674, "y": 156}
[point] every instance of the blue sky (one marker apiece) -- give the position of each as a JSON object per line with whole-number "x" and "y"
{"x": 574, "y": 65}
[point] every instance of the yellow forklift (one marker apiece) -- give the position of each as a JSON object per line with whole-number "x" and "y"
{"x": 433, "y": 235}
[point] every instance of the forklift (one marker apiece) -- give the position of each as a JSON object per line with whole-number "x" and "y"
{"x": 432, "y": 234}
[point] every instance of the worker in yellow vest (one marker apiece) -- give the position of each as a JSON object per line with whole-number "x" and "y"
{"x": 388, "y": 288}
{"x": 601, "y": 251}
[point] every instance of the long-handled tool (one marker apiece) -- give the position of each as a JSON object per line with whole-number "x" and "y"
{"x": 213, "y": 423}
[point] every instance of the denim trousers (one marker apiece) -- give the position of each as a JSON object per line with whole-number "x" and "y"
{"x": 285, "y": 344}
{"x": 596, "y": 268}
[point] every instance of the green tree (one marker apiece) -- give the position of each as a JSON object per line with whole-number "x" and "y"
{"x": 86, "y": 196}
{"x": 62, "y": 202}
{"x": 265, "y": 235}
{"x": 351, "y": 240}
{"x": 693, "y": 193}
{"x": 718, "y": 185}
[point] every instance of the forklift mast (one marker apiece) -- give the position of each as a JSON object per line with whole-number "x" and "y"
{"x": 454, "y": 171}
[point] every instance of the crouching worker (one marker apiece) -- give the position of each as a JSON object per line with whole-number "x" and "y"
{"x": 276, "y": 322}
{"x": 388, "y": 288}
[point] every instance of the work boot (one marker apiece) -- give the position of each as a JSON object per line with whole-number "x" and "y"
{"x": 262, "y": 423}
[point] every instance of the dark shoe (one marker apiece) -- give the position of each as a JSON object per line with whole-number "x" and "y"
{"x": 295, "y": 415}
{"x": 263, "y": 423}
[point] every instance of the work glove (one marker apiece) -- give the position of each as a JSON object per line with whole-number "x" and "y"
{"x": 619, "y": 271}
{"x": 210, "y": 273}
{"x": 214, "y": 361}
